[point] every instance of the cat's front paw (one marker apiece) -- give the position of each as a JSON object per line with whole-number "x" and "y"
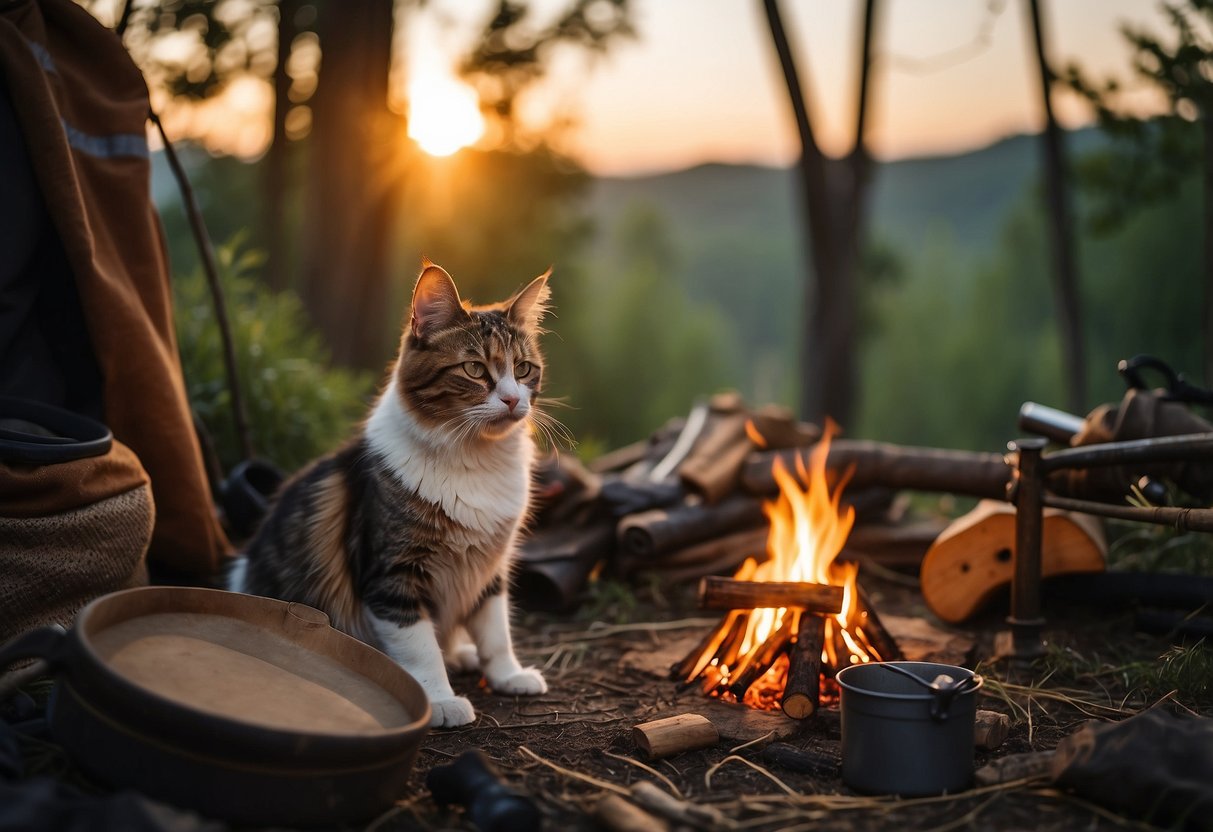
{"x": 525, "y": 682}
{"x": 451, "y": 712}
{"x": 463, "y": 658}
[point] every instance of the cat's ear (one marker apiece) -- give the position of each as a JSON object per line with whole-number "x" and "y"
{"x": 528, "y": 307}
{"x": 435, "y": 301}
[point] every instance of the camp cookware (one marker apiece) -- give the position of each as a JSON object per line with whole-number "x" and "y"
{"x": 907, "y": 727}
{"x": 247, "y": 709}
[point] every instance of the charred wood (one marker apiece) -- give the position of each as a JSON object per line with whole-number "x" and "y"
{"x": 716, "y": 593}
{"x": 876, "y": 633}
{"x": 802, "y": 690}
{"x": 762, "y": 659}
{"x": 662, "y": 530}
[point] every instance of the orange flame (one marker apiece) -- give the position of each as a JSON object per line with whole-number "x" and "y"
{"x": 808, "y": 529}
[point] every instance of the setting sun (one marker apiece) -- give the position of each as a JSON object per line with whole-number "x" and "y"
{"x": 443, "y": 115}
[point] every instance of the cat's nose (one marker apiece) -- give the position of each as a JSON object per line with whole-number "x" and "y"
{"x": 510, "y": 401}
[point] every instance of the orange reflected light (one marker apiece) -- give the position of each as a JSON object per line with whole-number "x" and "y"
{"x": 444, "y": 115}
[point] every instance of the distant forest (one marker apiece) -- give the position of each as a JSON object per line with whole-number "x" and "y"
{"x": 668, "y": 288}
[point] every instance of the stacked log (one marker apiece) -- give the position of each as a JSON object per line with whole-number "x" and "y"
{"x": 688, "y": 501}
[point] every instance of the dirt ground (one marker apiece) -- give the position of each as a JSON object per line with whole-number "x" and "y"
{"x": 606, "y": 665}
{"x": 573, "y": 746}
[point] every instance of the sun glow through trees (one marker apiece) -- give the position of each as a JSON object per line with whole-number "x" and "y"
{"x": 444, "y": 114}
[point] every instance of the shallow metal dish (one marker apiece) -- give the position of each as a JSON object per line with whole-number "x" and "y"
{"x": 242, "y": 708}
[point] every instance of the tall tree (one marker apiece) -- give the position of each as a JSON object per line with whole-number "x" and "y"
{"x": 834, "y": 198}
{"x": 276, "y": 176}
{"x": 1061, "y": 229}
{"x": 354, "y": 181}
{"x": 356, "y": 155}
{"x": 1153, "y": 157}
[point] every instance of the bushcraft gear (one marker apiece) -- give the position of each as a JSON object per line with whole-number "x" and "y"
{"x": 77, "y": 515}
{"x": 84, "y": 284}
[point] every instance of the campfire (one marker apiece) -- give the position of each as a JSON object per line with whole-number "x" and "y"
{"x": 798, "y": 616}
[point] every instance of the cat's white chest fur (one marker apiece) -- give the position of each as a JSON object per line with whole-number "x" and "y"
{"x": 482, "y": 489}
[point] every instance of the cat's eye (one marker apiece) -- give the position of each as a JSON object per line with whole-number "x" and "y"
{"x": 523, "y": 369}
{"x": 474, "y": 369}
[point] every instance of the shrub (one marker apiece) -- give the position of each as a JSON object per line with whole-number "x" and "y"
{"x": 298, "y": 404}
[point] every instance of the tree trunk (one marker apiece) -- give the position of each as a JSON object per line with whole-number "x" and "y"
{"x": 1061, "y": 235}
{"x": 354, "y": 184}
{"x": 276, "y": 171}
{"x": 833, "y": 204}
{"x": 1207, "y": 187}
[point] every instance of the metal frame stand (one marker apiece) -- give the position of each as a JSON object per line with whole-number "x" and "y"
{"x": 1024, "y": 642}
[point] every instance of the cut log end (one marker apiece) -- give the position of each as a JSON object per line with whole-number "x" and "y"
{"x": 674, "y": 735}
{"x": 990, "y": 729}
{"x": 799, "y": 705}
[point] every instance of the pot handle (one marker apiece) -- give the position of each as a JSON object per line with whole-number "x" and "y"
{"x": 45, "y": 643}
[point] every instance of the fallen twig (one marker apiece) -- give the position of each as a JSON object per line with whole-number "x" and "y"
{"x": 670, "y": 783}
{"x": 576, "y": 775}
{"x": 707, "y": 777}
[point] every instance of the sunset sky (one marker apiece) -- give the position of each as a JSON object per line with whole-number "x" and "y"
{"x": 701, "y": 82}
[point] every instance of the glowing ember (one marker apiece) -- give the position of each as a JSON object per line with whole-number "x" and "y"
{"x": 808, "y": 528}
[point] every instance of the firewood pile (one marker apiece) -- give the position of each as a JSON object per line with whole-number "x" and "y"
{"x": 688, "y": 501}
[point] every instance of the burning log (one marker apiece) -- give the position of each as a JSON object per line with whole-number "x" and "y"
{"x": 707, "y": 649}
{"x": 873, "y": 629}
{"x": 675, "y": 734}
{"x": 716, "y": 593}
{"x": 758, "y": 662}
{"x": 802, "y": 688}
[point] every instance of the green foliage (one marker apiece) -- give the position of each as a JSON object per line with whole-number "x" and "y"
{"x": 1184, "y": 671}
{"x": 633, "y": 349}
{"x": 513, "y": 52}
{"x": 1148, "y": 159}
{"x": 298, "y": 406}
{"x": 1135, "y": 547}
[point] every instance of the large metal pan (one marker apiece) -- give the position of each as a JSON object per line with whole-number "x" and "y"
{"x": 242, "y": 708}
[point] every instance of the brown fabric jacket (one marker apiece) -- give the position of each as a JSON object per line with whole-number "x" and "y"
{"x": 83, "y": 106}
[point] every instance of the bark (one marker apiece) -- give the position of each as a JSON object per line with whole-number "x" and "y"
{"x": 1207, "y": 191}
{"x": 355, "y": 186}
{"x": 1061, "y": 233}
{"x": 834, "y": 220}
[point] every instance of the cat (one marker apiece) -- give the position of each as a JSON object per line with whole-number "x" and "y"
{"x": 405, "y": 536}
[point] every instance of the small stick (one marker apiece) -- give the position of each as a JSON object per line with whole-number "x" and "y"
{"x": 705, "y": 649}
{"x": 802, "y": 690}
{"x": 680, "y": 811}
{"x": 990, "y": 730}
{"x": 732, "y": 645}
{"x": 619, "y": 815}
{"x": 874, "y": 630}
{"x": 765, "y": 656}
{"x": 717, "y": 593}
{"x": 802, "y": 762}
{"x": 675, "y": 734}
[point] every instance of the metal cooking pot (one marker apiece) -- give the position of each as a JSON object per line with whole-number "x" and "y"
{"x": 905, "y": 730}
{"x": 242, "y": 708}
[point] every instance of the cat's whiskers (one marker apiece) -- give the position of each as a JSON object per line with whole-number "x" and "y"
{"x": 553, "y": 431}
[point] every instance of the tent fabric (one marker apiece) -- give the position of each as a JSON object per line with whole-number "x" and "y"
{"x": 82, "y": 107}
